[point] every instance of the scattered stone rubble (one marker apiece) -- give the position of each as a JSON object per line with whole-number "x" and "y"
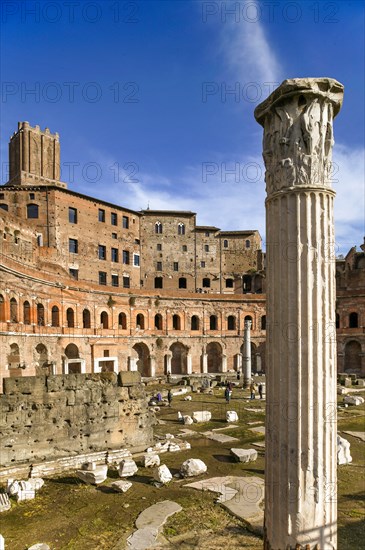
{"x": 5, "y": 503}
{"x": 149, "y": 524}
{"x": 353, "y": 400}
{"x": 93, "y": 474}
{"x": 162, "y": 474}
{"x": 343, "y": 451}
{"x": 202, "y": 416}
{"x": 150, "y": 460}
{"x": 231, "y": 416}
{"x": 127, "y": 468}
{"x": 23, "y": 490}
{"x": 121, "y": 486}
{"x": 193, "y": 467}
{"x": 244, "y": 455}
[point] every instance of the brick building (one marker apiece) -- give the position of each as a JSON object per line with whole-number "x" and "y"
{"x": 86, "y": 285}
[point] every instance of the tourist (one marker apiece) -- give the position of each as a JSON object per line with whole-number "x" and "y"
{"x": 159, "y": 397}
{"x": 227, "y": 394}
{"x": 253, "y": 390}
{"x": 238, "y": 375}
{"x": 260, "y": 390}
{"x": 169, "y": 397}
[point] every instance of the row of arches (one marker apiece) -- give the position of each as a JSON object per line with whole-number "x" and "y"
{"x": 23, "y": 313}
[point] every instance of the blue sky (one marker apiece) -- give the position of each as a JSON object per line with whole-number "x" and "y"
{"x": 139, "y": 93}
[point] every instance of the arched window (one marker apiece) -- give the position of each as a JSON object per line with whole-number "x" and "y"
{"x": 195, "y": 322}
{"x": 182, "y": 282}
{"x": 247, "y": 282}
{"x": 122, "y": 320}
{"x": 213, "y": 323}
{"x": 176, "y": 324}
{"x": 104, "y": 320}
{"x": 158, "y": 321}
{"x": 225, "y": 243}
{"x": 337, "y": 320}
{"x": 13, "y": 310}
{"x": 353, "y": 320}
{"x": 86, "y": 321}
{"x": 181, "y": 229}
{"x": 4, "y": 206}
{"x": 55, "y": 316}
{"x": 140, "y": 321}
{"x": 40, "y": 315}
{"x": 247, "y": 243}
{"x": 32, "y": 211}
{"x": 231, "y": 322}
{"x": 70, "y": 317}
{"x": 263, "y": 322}
{"x": 26, "y": 313}
{"x": 206, "y": 282}
{"x": 2, "y": 308}
{"x": 158, "y": 227}
{"x": 158, "y": 282}
{"x": 14, "y": 356}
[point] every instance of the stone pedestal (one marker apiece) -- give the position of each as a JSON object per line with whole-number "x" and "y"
{"x": 300, "y": 470}
{"x": 246, "y": 358}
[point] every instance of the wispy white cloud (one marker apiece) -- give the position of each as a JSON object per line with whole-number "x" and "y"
{"x": 245, "y": 45}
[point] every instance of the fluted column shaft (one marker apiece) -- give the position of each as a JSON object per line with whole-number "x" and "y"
{"x": 247, "y": 374}
{"x": 301, "y": 458}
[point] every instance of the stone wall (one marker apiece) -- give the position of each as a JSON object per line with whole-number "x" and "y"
{"x": 48, "y": 417}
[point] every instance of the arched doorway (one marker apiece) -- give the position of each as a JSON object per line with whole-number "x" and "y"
{"x": 214, "y": 353}
{"x": 73, "y": 363}
{"x": 14, "y": 361}
{"x": 143, "y": 361}
{"x": 352, "y": 357}
{"x": 42, "y": 367}
{"x": 179, "y": 360}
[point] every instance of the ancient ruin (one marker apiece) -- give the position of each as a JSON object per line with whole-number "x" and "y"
{"x": 301, "y": 425}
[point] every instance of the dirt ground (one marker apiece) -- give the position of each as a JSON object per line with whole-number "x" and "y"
{"x": 70, "y": 515}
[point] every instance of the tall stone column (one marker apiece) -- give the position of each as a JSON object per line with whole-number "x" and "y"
{"x": 300, "y": 470}
{"x": 189, "y": 363}
{"x": 247, "y": 354}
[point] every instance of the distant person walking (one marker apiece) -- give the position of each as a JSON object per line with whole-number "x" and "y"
{"x": 260, "y": 390}
{"x": 169, "y": 397}
{"x": 227, "y": 394}
{"x": 253, "y": 390}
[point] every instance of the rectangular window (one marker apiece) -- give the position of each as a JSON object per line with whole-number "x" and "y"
{"x": 74, "y": 273}
{"x": 136, "y": 259}
{"x": 102, "y": 252}
{"x": 115, "y": 280}
{"x": 207, "y": 233}
{"x": 115, "y": 255}
{"x": 125, "y": 222}
{"x": 176, "y": 266}
{"x": 113, "y": 218}
{"x": 72, "y": 215}
{"x": 2, "y": 196}
{"x": 206, "y": 247}
{"x": 126, "y": 282}
{"x": 159, "y": 247}
{"x": 159, "y": 266}
{"x": 73, "y": 246}
{"x": 102, "y": 278}
{"x": 31, "y": 196}
{"x": 125, "y": 257}
{"x": 202, "y": 264}
{"x": 184, "y": 248}
{"x": 101, "y": 215}
{"x": 114, "y": 236}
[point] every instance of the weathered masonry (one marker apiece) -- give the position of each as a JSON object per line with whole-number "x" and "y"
{"x": 50, "y": 417}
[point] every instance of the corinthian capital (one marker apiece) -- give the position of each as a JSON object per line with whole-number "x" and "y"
{"x": 298, "y": 138}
